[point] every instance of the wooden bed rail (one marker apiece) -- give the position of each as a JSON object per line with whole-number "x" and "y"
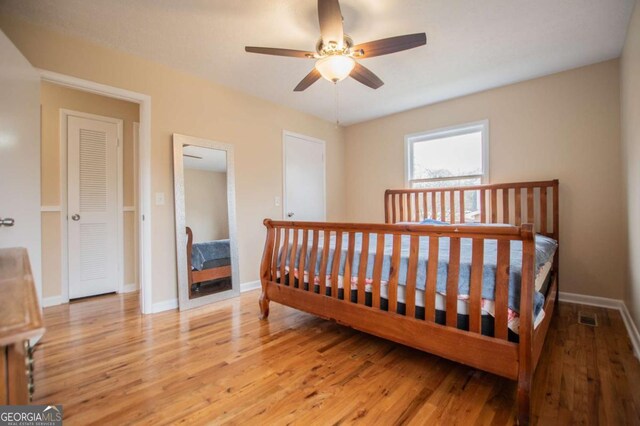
{"x": 189, "y": 253}
{"x": 299, "y": 243}
{"x": 512, "y": 203}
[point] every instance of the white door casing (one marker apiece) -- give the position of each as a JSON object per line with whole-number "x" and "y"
{"x": 137, "y": 225}
{"x": 20, "y": 155}
{"x": 304, "y": 178}
{"x": 92, "y": 206}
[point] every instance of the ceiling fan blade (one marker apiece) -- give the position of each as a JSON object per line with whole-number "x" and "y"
{"x": 390, "y": 45}
{"x": 330, "y": 19}
{"x": 280, "y": 52}
{"x": 311, "y": 78}
{"x": 366, "y": 77}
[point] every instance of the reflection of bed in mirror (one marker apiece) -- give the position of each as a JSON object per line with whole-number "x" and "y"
{"x": 207, "y": 261}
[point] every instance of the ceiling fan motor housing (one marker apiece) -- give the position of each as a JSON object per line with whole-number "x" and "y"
{"x": 333, "y": 48}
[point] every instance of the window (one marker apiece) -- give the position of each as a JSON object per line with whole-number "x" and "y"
{"x": 455, "y": 156}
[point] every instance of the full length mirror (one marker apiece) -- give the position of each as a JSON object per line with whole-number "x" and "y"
{"x": 205, "y": 221}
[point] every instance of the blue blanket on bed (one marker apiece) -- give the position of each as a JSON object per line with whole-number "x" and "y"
{"x": 210, "y": 250}
{"x": 545, "y": 249}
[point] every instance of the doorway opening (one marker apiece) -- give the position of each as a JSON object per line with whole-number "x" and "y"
{"x": 132, "y": 205}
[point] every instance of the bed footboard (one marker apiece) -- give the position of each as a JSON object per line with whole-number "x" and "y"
{"x": 304, "y": 262}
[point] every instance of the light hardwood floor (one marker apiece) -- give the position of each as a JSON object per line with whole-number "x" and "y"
{"x": 220, "y": 364}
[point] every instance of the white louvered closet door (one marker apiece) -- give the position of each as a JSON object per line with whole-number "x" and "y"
{"x": 92, "y": 204}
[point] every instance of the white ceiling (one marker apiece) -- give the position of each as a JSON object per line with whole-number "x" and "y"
{"x": 213, "y": 160}
{"x": 472, "y": 45}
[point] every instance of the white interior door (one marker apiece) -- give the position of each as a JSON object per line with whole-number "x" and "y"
{"x": 20, "y": 155}
{"x": 92, "y": 199}
{"x": 304, "y": 178}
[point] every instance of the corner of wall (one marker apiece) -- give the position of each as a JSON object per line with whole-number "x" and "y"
{"x": 630, "y": 151}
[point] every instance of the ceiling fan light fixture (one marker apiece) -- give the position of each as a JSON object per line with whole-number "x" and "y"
{"x": 335, "y": 68}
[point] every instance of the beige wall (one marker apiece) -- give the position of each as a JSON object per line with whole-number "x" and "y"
{"x": 630, "y": 100}
{"x": 206, "y": 208}
{"x": 53, "y": 99}
{"x": 564, "y": 126}
{"x": 183, "y": 103}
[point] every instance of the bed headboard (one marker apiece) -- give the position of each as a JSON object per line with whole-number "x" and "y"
{"x": 513, "y": 203}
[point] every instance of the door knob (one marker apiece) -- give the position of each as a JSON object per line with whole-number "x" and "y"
{"x": 290, "y": 214}
{"x": 75, "y": 217}
{"x": 7, "y": 221}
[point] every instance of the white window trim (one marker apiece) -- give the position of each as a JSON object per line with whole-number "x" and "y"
{"x": 482, "y": 126}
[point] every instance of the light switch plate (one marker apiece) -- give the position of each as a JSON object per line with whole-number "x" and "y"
{"x": 159, "y": 198}
{"x": 276, "y": 201}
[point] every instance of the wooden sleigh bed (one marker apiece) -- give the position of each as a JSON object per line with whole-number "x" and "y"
{"x": 209, "y": 270}
{"x": 374, "y": 258}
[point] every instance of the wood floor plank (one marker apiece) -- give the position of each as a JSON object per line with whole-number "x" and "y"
{"x": 220, "y": 364}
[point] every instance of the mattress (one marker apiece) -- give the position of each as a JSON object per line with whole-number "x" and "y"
{"x": 441, "y": 298}
{"x": 488, "y": 306}
{"x": 209, "y": 251}
{"x": 545, "y": 251}
{"x": 216, "y": 263}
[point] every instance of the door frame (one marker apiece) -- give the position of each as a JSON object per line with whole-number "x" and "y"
{"x": 64, "y": 197}
{"x": 286, "y": 133}
{"x": 134, "y": 209}
{"x": 143, "y": 199}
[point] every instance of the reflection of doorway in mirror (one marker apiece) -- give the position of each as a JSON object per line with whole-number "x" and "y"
{"x": 207, "y": 220}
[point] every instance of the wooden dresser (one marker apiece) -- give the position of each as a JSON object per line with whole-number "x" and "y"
{"x": 20, "y": 320}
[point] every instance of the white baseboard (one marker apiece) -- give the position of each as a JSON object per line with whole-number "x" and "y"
{"x": 582, "y": 299}
{"x": 165, "y": 305}
{"x": 51, "y": 301}
{"x": 604, "y": 302}
{"x": 57, "y": 300}
{"x": 251, "y": 285}
{"x": 128, "y": 288}
{"x": 634, "y": 336}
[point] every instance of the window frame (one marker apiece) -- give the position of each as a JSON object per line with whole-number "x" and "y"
{"x": 409, "y": 140}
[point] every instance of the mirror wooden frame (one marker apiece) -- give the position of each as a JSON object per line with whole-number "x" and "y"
{"x": 179, "y": 141}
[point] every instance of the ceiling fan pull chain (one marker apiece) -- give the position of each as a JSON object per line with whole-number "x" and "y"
{"x": 335, "y": 87}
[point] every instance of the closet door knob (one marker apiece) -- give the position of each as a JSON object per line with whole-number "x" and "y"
{"x": 75, "y": 217}
{"x": 290, "y": 214}
{"x": 7, "y": 221}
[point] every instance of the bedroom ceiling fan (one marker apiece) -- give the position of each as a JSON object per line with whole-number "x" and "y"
{"x": 336, "y": 54}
